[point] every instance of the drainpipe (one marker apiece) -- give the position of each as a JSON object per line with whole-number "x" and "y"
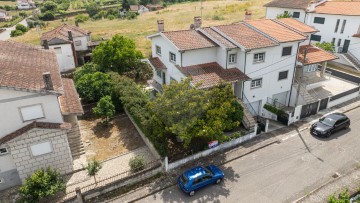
{"x": 292, "y": 82}
{"x": 243, "y": 86}
{"x": 226, "y": 59}
{"x": 181, "y": 58}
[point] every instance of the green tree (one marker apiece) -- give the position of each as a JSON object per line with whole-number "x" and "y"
{"x": 85, "y": 69}
{"x": 144, "y": 2}
{"x": 284, "y": 15}
{"x": 118, "y": 54}
{"x": 93, "y": 9}
{"x": 125, "y": 5}
{"x": 327, "y": 46}
{"x": 92, "y": 86}
{"x": 23, "y": 14}
{"x": 48, "y": 6}
{"x": 15, "y": 33}
{"x": 93, "y": 168}
{"x": 21, "y": 27}
{"x": 137, "y": 163}
{"x": 104, "y": 109}
{"x": 142, "y": 71}
{"x": 47, "y": 16}
{"x": 41, "y": 184}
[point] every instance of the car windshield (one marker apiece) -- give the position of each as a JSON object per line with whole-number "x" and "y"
{"x": 208, "y": 171}
{"x": 327, "y": 121}
{"x": 184, "y": 179}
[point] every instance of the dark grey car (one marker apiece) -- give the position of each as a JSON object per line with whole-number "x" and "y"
{"x": 330, "y": 124}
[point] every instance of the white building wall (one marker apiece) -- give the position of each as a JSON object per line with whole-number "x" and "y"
{"x": 65, "y": 58}
{"x": 199, "y": 56}
{"x": 83, "y": 46}
{"x": 11, "y": 101}
{"x": 272, "y": 12}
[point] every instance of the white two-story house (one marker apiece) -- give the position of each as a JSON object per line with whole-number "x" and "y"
{"x": 25, "y": 4}
{"x": 337, "y": 22}
{"x": 70, "y": 44}
{"x": 258, "y": 57}
{"x": 37, "y": 106}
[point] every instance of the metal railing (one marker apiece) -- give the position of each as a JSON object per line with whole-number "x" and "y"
{"x": 353, "y": 57}
{"x": 249, "y": 106}
{"x": 275, "y": 103}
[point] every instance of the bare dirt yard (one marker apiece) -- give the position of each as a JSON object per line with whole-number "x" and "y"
{"x": 106, "y": 141}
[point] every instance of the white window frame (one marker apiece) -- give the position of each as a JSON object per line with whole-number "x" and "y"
{"x": 77, "y": 43}
{"x": 3, "y": 153}
{"x": 157, "y": 73}
{"x": 172, "y": 57}
{"x": 158, "y": 50}
{"x": 256, "y": 83}
{"x": 232, "y": 58}
{"x": 287, "y": 75}
{"x": 29, "y": 106}
{"x": 257, "y": 57}
{"x": 42, "y": 146}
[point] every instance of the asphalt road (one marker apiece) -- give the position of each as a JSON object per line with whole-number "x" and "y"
{"x": 6, "y": 34}
{"x": 281, "y": 172}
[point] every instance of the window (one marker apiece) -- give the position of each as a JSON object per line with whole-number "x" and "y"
{"x": 315, "y": 38}
{"x": 296, "y": 15}
{"x": 158, "y": 73}
{"x": 283, "y": 75}
{"x": 310, "y": 68}
{"x": 286, "y": 51}
{"x": 339, "y": 42}
{"x": 3, "y": 151}
{"x": 158, "y": 50}
{"x": 32, "y": 112}
{"x": 78, "y": 43}
{"x": 57, "y": 50}
{"x": 41, "y": 149}
{"x": 232, "y": 58}
{"x": 319, "y": 20}
{"x": 333, "y": 41}
{"x": 259, "y": 57}
{"x": 172, "y": 57}
{"x": 343, "y": 26}
{"x": 256, "y": 83}
{"x": 337, "y": 25}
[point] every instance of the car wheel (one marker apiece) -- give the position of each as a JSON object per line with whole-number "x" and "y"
{"x": 192, "y": 193}
{"x": 328, "y": 134}
{"x": 346, "y": 127}
{"x": 218, "y": 181}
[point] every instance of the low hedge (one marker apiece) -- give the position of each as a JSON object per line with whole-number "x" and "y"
{"x": 273, "y": 109}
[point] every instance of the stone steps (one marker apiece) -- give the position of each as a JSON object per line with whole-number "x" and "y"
{"x": 354, "y": 61}
{"x": 305, "y": 94}
{"x": 75, "y": 143}
{"x": 248, "y": 120}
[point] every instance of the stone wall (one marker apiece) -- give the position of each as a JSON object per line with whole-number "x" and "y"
{"x": 59, "y": 158}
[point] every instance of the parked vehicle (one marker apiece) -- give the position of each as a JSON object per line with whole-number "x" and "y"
{"x": 330, "y": 124}
{"x": 199, "y": 177}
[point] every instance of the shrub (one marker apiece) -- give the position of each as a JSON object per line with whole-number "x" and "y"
{"x": 284, "y": 15}
{"x": 343, "y": 197}
{"x": 92, "y": 168}
{"x": 48, "y": 6}
{"x": 16, "y": 33}
{"x": 80, "y": 18}
{"x": 23, "y": 14}
{"x": 217, "y": 17}
{"x": 92, "y": 86}
{"x": 21, "y": 27}
{"x": 93, "y": 9}
{"x": 137, "y": 164}
{"x": 273, "y": 109}
{"x": 41, "y": 184}
{"x": 104, "y": 109}
{"x": 327, "y": 46}
{"x": 47, "y": 16}
{"x": 111, "y": 17}
{"x": 131, "y": 15}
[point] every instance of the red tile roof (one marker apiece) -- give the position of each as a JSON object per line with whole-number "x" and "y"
{"x": 297, "y": 25}
{"x": 210, "y": 74}
{"x": 275, "y": 30}
{"x": 69, "y": 102}
{"x": 217, "y": 37}
{"x": 42, "y": 125}
{"x": 351, "y": 8}
{"x": 314, "y": 55}
{"x": 299, "y": 4}
{"x": 356, "y": 35}
{"x": 245, "y": 36}
{"x": 61, "y": 32}
{"x": 188, "y": 40}
{"x": 156, "y": 62}
{"x": 22, "y": 66}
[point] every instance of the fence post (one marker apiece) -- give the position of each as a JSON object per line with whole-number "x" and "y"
{"x": 255, "y": 129}
{"x": 267, "y": 125}
{"x": 318, "y": 106}
{"x": 79, "y": 197}
{"x": 166, "y": 164}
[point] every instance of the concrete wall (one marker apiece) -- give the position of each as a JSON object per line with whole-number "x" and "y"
{"x": 65, "y": 59}
{"x": 342, "y": 99}
{"x": 83, "y": 46}
{"x": 199, "y": 56}
{"x": 10, "y": 178}
{"x": 12, "y": 100}
{"x": 26, "y": 163}
{"x": 272, "y": 12}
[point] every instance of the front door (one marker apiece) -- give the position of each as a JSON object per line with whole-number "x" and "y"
{"x": 346, "y": 46}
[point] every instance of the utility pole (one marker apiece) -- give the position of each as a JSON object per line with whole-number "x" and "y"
{"x": 300, "y": 79}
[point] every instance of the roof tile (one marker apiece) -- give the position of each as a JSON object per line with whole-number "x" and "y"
{"x": 69, "y": 101}
{"x": 351, "y": 8}
{"x": 188, "y": 40}
{"x": 297, "y": 25}
{"x": 299, "y": 4}
{"x": 314, "y": 55}
{"x": 61, "y": 32}
{"x": 156, "y": 62}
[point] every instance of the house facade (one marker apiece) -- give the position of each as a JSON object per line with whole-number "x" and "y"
{"x": 337, "y": 22}
{"x": 257, "y": 61}
{"x": 25, "y": 4}
{"x": 4, "y": 15}
{"x": 35, "y": 102}
{"x": 70, "y": 44}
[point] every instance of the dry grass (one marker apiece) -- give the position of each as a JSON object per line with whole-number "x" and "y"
{"x": 9, "y": 3}
{"x": 178, "y": 16}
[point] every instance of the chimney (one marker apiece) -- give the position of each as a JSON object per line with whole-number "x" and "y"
{"x": 70, "y": 35}
{"x": 76, "y": 23}
{"x": 312, "y": 6}
{"x": 46, "y": 44}
{"x": 160, "y": 25}
{"x": 47, "y": 81}
{"x": 248, "y": 15}
{"x": 197, "y": 22}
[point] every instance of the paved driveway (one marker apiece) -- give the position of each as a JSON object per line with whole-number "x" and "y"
{"x": 6, "y": 35}
{"x": 281, "y": 172}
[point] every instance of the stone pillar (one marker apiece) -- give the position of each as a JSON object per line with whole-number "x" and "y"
{"x": 267, "y": 125}
{"x": 324, "y": 66}
{"x": 79, "y": 198}
{"x": 166, "y": 161}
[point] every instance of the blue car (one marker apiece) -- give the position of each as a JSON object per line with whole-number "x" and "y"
{"x": 199, "y": 177}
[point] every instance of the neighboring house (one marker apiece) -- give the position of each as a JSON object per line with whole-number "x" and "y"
{"x": 4, "y": 15}
{"x": 154, "y": 7}
{"x": 25, "y": 4}
{"x": 337, "y": 22}
{"x": 34, "y": 103}
{"x": 257, "y": 57}
{"x": 70, "y": 44}
{"x": 139, "y": 9}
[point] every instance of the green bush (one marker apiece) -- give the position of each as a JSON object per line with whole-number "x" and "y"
{"x": 47, "y": 16}
{"x": 273, "y": 109}
{"x": 41, "y": 184}
{"x": 217, "y": 17}
{"x": 104, "y": 109}
{"x": 111, "y": 17}
{"x": 137, "y": 164}
{"x": 16, "y": 33}
{"x": 21, "y": 27}
{"x": 93, "y": 86}
{"x": 343, "y": 197}
{"x": 131, "y": 15}
{"x": 80, "y": 18}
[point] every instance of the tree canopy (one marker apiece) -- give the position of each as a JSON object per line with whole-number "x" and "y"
{"x": 327, "y": 46}
{"x": 92, "y": 86}
{"x": 104, "y": 108}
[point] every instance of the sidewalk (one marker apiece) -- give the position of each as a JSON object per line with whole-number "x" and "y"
{"x": 246, "y": 148}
